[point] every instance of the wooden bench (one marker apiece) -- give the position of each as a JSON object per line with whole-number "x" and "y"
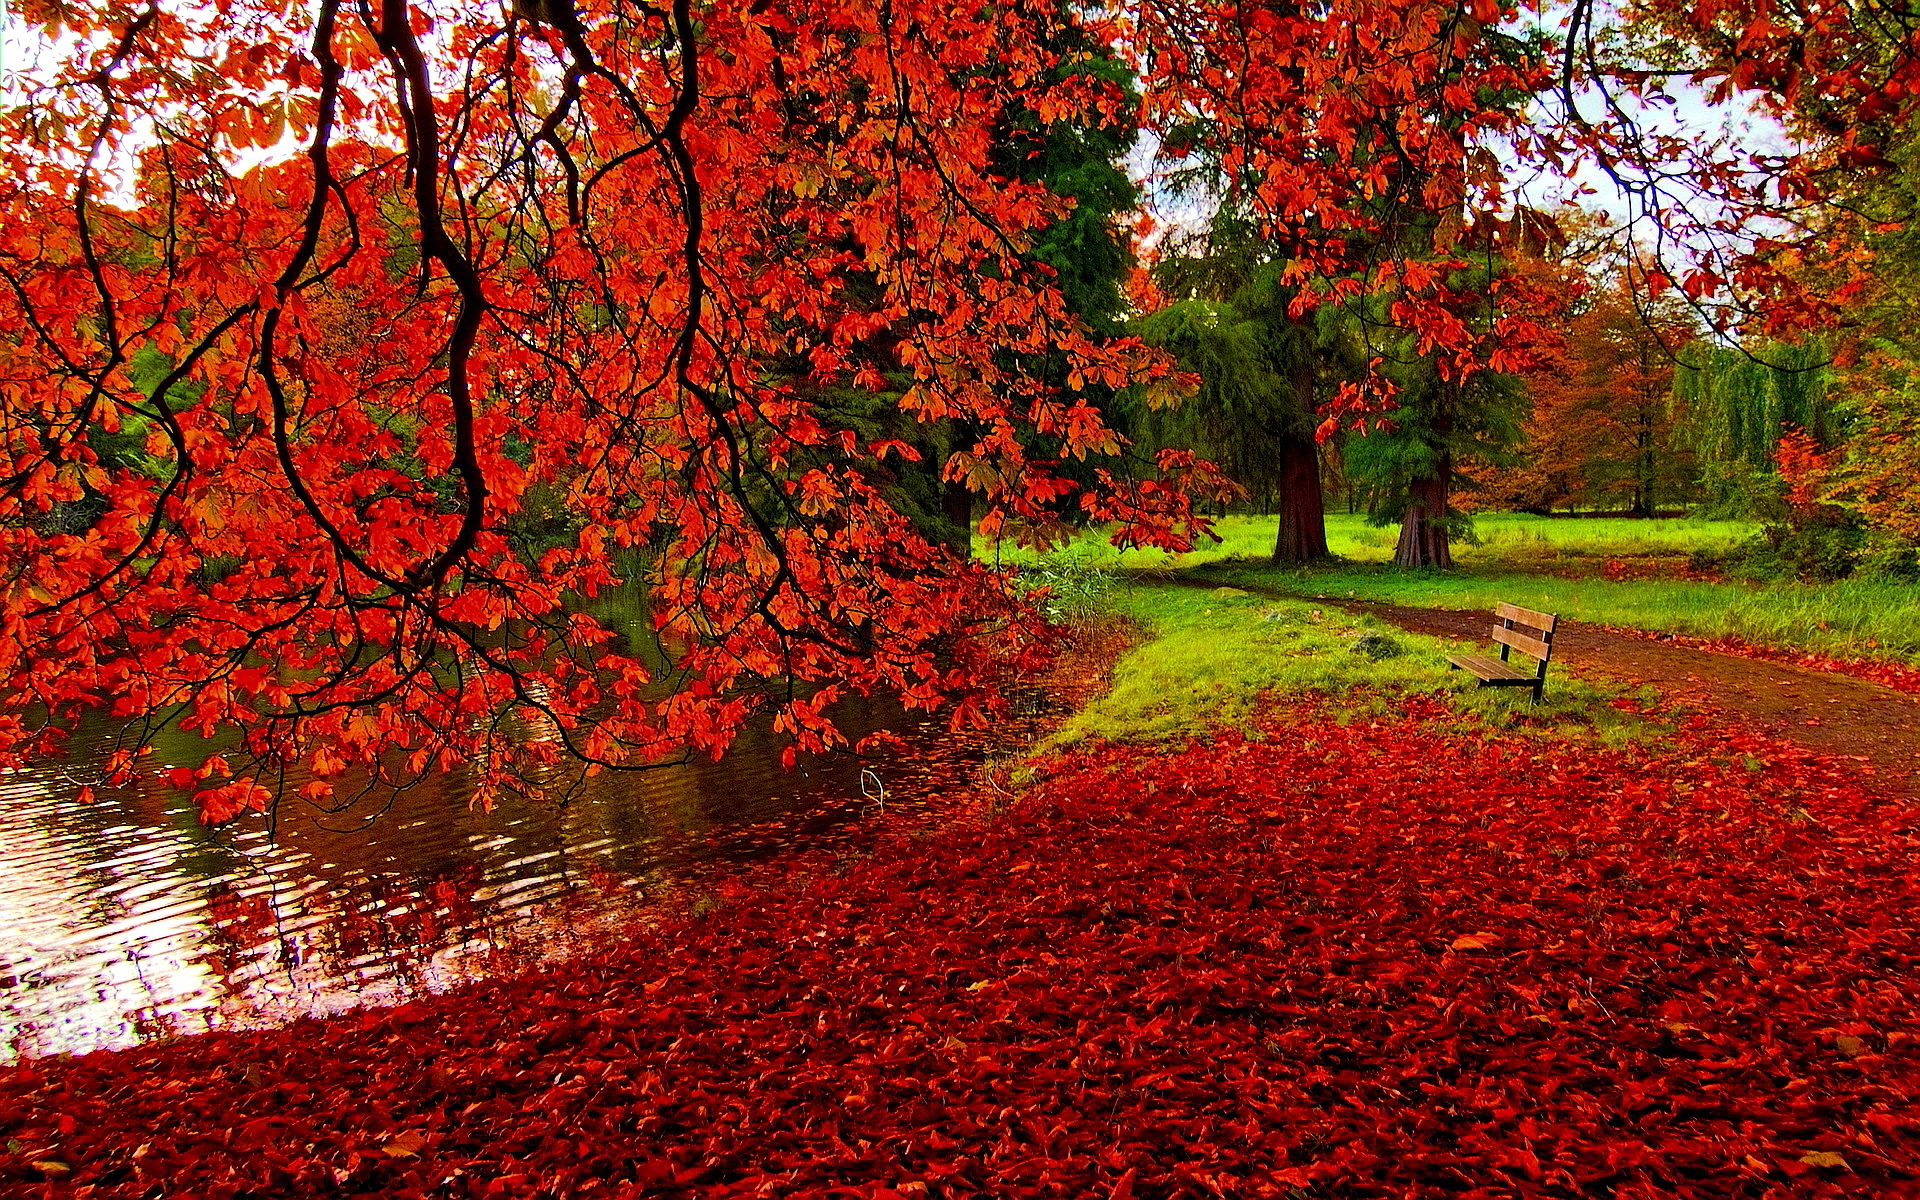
{"x": 1514, "y": 628}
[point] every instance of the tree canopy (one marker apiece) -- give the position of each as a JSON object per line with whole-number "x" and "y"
{"x": 348, "y": 346}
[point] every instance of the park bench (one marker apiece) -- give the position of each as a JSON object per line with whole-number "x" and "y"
{"x": 1514, "y": 628}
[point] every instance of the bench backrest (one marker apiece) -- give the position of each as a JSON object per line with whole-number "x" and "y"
{"x": 1529, "y": 632}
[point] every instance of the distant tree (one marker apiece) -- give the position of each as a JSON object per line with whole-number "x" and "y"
{"x": 1602, "y": 432}
{"x": 1874, "y": 384}
{"x": 1260, "y": 368}
{"x": 1738, "y": 402}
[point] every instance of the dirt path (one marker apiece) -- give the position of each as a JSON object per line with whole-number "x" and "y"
{"x": 1823, "y": 711}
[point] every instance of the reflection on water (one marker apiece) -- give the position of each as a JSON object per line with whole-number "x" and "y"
{"x": 124, "y": 919}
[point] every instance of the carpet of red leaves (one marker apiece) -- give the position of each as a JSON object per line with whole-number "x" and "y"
{"x": 1380, "y": 959}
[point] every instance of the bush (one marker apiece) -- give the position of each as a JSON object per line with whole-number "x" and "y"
{"x": 1377, "y": 646}
{"x": 1745, "y": 497}
{"x": 1890, "y": 564}
{"x": 1819, "y": 552}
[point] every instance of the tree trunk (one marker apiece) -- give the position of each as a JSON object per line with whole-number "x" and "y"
{"x": 956, "y": 501}
{"x": 1302, "y": 533}
{"x": 1643, "y": 498}
{"x": 1423, "y": 531}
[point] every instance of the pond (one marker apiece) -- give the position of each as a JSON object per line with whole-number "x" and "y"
{"x": 125, "y": 919}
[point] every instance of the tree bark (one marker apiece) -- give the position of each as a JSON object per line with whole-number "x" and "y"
{"x": 956, "y": 502}
{"x": 1643, "y": 498}
{"x": 1301, "y": 536}
{"x": 1302, "y": 533}
{"x": 1423, "y": 531}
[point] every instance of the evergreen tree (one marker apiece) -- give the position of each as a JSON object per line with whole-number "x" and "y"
{"x": 1078, "y": 157}
{"x": 1260, "y": 370}
{"x": 1408, "y": 465}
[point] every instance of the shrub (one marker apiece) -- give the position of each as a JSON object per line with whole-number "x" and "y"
{"x": 1822, "y": 551}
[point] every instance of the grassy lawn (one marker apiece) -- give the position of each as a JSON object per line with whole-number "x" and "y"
{"x": 1852, "y": 618}
{"x": 1214, "y": 657}
{"x": 1553, "y": 564}
{"x": 1509, "y": 539}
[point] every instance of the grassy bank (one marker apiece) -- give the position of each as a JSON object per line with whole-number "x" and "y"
{"x": 1214, "y": 658}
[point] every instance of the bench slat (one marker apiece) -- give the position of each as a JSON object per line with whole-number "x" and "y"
{"x": 1523, "y": 642}
{"x": 1492, "y": 670}
{"x": 1525, "y": 616}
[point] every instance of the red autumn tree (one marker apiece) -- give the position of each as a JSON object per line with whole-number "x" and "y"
{"x": 306, "y": 310}
{"x": 272, "y": 430}
{"x": 1602, "y": 430}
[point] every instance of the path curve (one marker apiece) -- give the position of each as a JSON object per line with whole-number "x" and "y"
{"x": 1823, "y": 711}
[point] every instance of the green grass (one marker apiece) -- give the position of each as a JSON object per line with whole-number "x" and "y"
{"x": 1852, "y": 618}
{"x": 1212, "y": 660}
{"x": 1508, "y": 539}
{"x": 1519, "y": 538}
{"x": 1554, "y": 564}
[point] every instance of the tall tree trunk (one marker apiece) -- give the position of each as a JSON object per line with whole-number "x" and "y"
{"x": 1643, "y": 498}
{"x": 956, "y": 502}
{"x": 1302, "y": 533}
{"x": 1423, "y": 531}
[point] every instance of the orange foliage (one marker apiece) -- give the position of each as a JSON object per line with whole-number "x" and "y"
{"x": 1601, "y": 431}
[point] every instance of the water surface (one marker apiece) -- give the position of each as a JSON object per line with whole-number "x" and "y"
{"x": 125, "y": 919}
